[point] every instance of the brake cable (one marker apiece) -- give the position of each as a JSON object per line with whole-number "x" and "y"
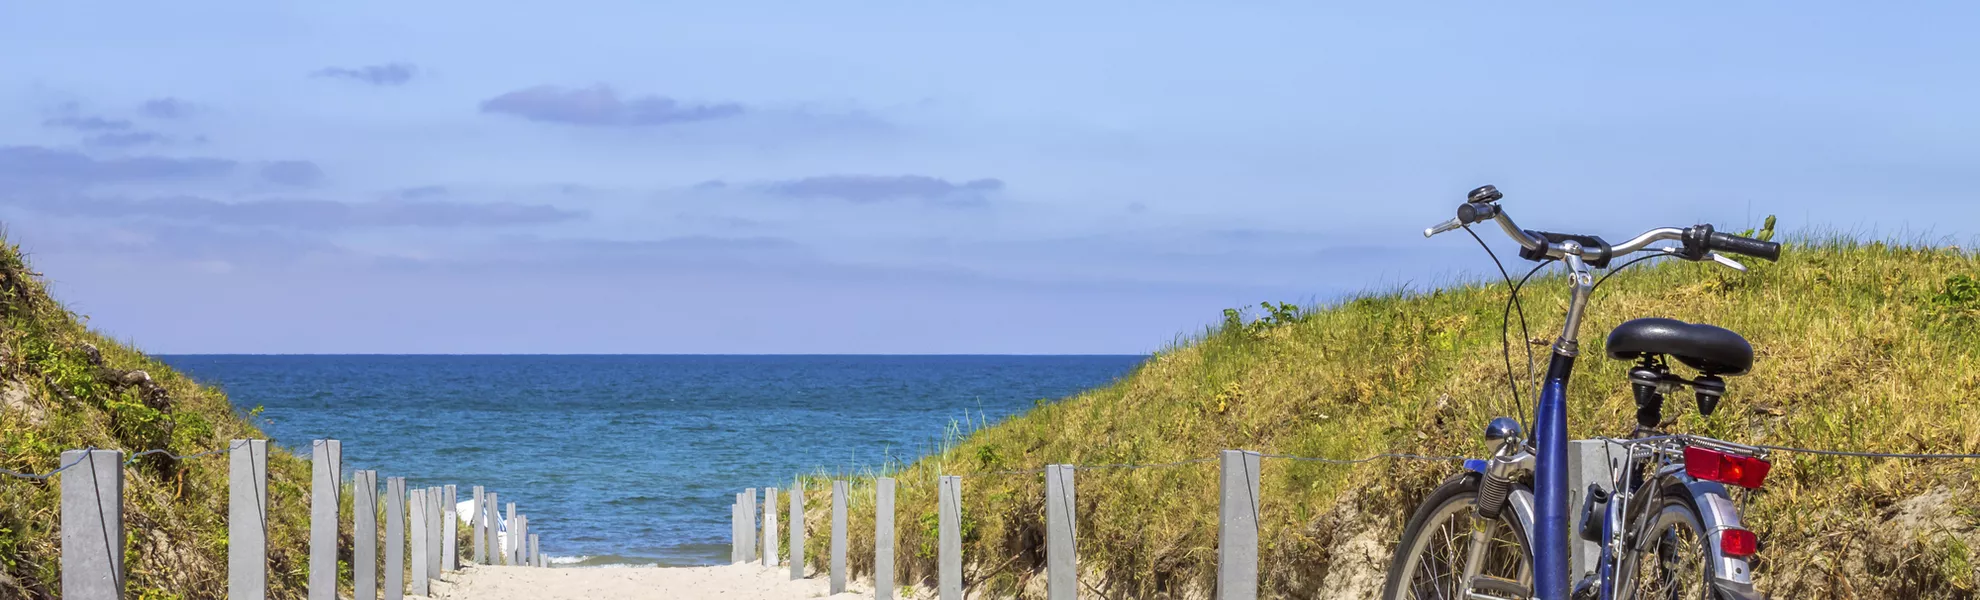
{"x": 1512, "y": 304}
{"x": 1625, "y": 265}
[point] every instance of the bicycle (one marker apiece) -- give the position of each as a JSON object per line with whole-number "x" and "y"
{"x": 1665, "y": 525}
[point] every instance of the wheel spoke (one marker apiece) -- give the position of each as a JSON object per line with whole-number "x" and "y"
{"x": 1671, "y": 562}
{"x": 1443, "y": 547}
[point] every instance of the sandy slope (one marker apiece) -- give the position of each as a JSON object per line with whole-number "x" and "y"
{"x": 733, "y": 582}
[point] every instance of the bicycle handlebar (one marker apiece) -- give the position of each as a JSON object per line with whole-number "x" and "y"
{"x": 1699, "y": 240}
{"x": 1726, "y": 242}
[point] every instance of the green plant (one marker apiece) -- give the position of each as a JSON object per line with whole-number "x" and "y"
{"x": 1958, "y": 301}
{"x": 1275, "y": 315}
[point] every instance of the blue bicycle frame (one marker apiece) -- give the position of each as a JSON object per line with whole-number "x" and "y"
{"x": 1550, "y": 439}
{"x": 1550, "y": 483}
{"x": 1551, "y": 520}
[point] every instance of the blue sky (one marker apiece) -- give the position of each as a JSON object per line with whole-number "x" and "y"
{"x": 1029, "y": 177}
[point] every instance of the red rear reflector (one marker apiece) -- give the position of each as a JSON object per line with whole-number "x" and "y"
{"x": 1713, "y": 465}
{"x": 1738, "y": 543}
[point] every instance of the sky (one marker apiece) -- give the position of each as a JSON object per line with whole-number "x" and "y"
{"x": 588, "y": 176}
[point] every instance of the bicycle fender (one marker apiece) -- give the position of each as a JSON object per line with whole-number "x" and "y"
{"x": 1520, "y": 502}
{"x": 1733, "y": 577}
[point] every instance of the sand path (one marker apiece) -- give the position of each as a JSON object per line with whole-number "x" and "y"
{"x": 731, "y": 582}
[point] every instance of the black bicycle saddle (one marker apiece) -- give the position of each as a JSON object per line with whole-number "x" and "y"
{"x": 1710, "y": 350}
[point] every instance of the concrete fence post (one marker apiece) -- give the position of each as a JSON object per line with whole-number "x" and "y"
{"x": 535, "y": 554}
{"x": 735, "y": 530}
{"x": 480, "y": 534}
{"x": 838, "y": 536}
{"x": 1061, "y": 534}
{"x": 435, "y": 546}
{"x": 421, "y": 543}
{"x": 395, "y": 538}
{"x": 93, "y": 525}
{"x": 949, "y": 541}
{"x": 364, "y": 530}
{"x": 247, "y": 520}
{"x": 1587, "y": 462}
{"x": 797, "y": 531}
{"x": 749, "y": 525}
{"x": 1237, "y": 526}
{"x": 489, "y": 512}
{"x": 451, "y": 518}
{"x": 491, "y": 517}
{"x": 883, "y": 538}
{"x": 770, "y": 554}
{"x": 514, "y": 554}
{"x": 522, "y": 537}
{"x": 326, "y": 459}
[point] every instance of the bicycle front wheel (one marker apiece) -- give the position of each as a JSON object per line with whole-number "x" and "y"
{"x": 1430, "y": 560}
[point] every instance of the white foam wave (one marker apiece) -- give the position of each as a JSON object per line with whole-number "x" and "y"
{"x": 602, "y": 562}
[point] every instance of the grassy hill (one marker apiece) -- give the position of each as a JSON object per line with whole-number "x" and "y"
{"x": 64, "y": 386}
{"x": 1860, "y": 346}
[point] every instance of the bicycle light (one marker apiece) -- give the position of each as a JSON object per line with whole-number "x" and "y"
{"x": 1738, "y": 543}
{"x": 1713, "y": 465}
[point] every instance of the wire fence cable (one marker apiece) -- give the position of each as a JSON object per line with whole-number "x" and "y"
{"x": 57, "y": 471}
{"x": 168, "y": 453}
{"x": 1912, "y": 456}
{"x": 133, "y": 459}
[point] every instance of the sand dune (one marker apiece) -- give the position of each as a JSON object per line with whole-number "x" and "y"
{"x": 732, "y": 582}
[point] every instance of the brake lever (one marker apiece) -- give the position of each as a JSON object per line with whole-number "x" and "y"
{"x": 1721, "y": 259}
{"x": 1445, "y": 226}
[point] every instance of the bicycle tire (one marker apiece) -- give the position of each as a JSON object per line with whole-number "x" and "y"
{"x": 1450, "y": 497}
{"x": 1673, "y": 508}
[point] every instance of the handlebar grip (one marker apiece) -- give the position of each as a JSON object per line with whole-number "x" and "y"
{"x": 1743, "y": 245}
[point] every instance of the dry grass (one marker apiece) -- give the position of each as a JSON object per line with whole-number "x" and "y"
{"x": 174, "y": 511}
{"x": 1861, "y": 346}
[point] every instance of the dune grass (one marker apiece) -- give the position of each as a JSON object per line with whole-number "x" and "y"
{"x": 61, "y": 398}
{"x": 1861, "y": 345}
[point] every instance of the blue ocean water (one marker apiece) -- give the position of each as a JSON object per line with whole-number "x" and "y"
{"x": 633, "y": 459}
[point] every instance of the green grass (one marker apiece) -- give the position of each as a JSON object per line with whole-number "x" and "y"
{"x": 174, "y": 511}
{"x": 1861, "y": 345}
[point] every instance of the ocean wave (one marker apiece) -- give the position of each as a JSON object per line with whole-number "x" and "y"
{"x": 601, "y": 562}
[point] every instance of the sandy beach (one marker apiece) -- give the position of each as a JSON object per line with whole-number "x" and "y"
{"x": 729, "y": 582}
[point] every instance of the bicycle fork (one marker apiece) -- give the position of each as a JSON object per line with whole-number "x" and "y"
{"x": 1495, "y": 496}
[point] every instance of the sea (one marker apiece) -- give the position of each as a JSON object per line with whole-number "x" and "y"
{"x": 634, "y": 460}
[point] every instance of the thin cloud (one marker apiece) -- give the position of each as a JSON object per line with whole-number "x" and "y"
{"x": 226, "y": 247}
{"x": 297, "y": 173}
{"x": 36, "y": 167}
{"x": 388, "y": 74}
{"x": 126, "y": 139}
{"x": 87, "y": 123}
{"x": 166, "y": 108}
{"x": 316, "y": 215}
{"x": 424, "y": 191}
{"x": 601, "y": 106}
{"x": 622, "y": 257}
{"x": 888, "y": 188}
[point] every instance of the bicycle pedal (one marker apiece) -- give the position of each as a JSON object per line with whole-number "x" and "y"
{"x": 1501, "y": 589}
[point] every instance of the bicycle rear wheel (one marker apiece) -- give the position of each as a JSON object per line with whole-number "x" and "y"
{"x": 1670, "y": 559}
{"x": 1429, "y": 562}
